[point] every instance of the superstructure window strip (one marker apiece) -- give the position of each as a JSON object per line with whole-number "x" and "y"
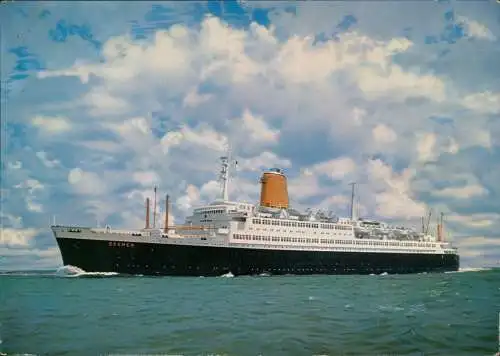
{"x": 399, "y": 245}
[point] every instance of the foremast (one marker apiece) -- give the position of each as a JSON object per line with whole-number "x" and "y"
{"x": 226, "y": 163}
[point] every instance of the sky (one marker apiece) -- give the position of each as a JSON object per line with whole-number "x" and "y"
{"x": 103, "y": 100}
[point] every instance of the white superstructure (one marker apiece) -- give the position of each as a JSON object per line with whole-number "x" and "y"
{"x": 225, "y": 223}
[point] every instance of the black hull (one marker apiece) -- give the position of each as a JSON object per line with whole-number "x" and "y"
{"x": 178, "y": 260}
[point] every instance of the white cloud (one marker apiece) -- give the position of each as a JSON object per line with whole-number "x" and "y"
{"x": 299, "y": 61}
{"x": 393, "y": 193}
{"x": 171, "y": 139}
{"x": 15, "y": 165}
{"x": 193, "y": 98}
{"x": 33, "y": 206}
{"x": 86, "y": 183}
{"x": 9, "y": 220}
{"x": 338, "y": 168}
{"x": 304, "y": 186}
{"x": 400, "y": 84}
{"x": 358, "y": 115}
{"x": 46, "y": 161}
{"x": 26, "y": 258}
{"x": 259, "y": 88}
{"x": 475, "y": 220}
{"x": 205, "y": 136}
{"x": 476, "y": 29}
{"x": 258, "y": 129}
{"x": 211, "y": 190}
{"x": 31, "y": 185}
{"x": 263, "y": 161}
{"x": 99, "y": 145}
{"x": 31, "y": 188}
{"x": 476, "y": 241}
{"x": 335, "y": 203}
{"x": 485, "y": 102}
{"x": 187, "y": 201}
{"x": 56, "y": 124}
{"x": 453, "y": 146}
{"x": 104, "y": 103}
{"x": 11, "y": 237}
{"x": 426, "y": 147}
{"x": 472, "y": 135}
{"x": 146, "y": 178}
{"x": 464, "y": 192}
{"x": 384, "y": 134}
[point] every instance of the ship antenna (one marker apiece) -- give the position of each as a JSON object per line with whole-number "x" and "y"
{"x": 226, "y": 162}
{"x": 224, "y": 177}
{"x": 353, "y": 209}
{"x": 154, "y": 209}
{"x": 147, "y": 213}
{"x": 167, "y": 201}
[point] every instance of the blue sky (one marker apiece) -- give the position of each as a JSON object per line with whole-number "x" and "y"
{"x": 103, "y": 100}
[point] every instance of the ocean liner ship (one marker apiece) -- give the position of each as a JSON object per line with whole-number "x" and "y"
{"x": 251, "y": 239}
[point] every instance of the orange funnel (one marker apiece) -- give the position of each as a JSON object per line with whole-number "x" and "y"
{"x": 274, "y": 190}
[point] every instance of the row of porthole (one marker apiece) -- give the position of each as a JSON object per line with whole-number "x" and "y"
{"x": 289, "y": 270}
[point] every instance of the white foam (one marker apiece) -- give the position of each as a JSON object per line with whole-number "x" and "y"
{"x": 390, "y": 308}
{"x": 227, "y": 275}
{"x": 73, "y": 271}
{"x": 471, "y": 269}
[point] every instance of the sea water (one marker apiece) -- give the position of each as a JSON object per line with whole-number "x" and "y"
{"x": 70, "y": 312}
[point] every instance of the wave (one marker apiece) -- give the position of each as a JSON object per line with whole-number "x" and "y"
{"x": 73, "y": 271}
{"x": 227, "y": 275}
{"x": 472, "y": 269}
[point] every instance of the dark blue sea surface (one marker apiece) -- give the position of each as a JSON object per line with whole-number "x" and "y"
{"x": 432, "y": 314}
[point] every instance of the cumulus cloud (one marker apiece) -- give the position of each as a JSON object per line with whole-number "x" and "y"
{"x": 464, "y": 192}
{"x": 475, "y": 220}
{"x": 86, "y": 183}
{"x": 43, "y": 156}
{"x": 263, "y": 161}
{"x": 14, "y": 165}
{"x": 366, "y": 102}
{"x": 394, "y": 195}
{"x": 17, "y": 237}
{"x": 476, "y": 29}
{"x": 335, "y": 169}
{"x": 426, "y": 147}
{"x": 31, "y": 188}
{"x": 258, "y": 129}
{"x": 485, "y": 102}
{"x": 56, "y": 124}
{"x": 384, "y": 134}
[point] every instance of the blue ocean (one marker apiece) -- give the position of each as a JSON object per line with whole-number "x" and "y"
{"x": 70, "y": 312}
